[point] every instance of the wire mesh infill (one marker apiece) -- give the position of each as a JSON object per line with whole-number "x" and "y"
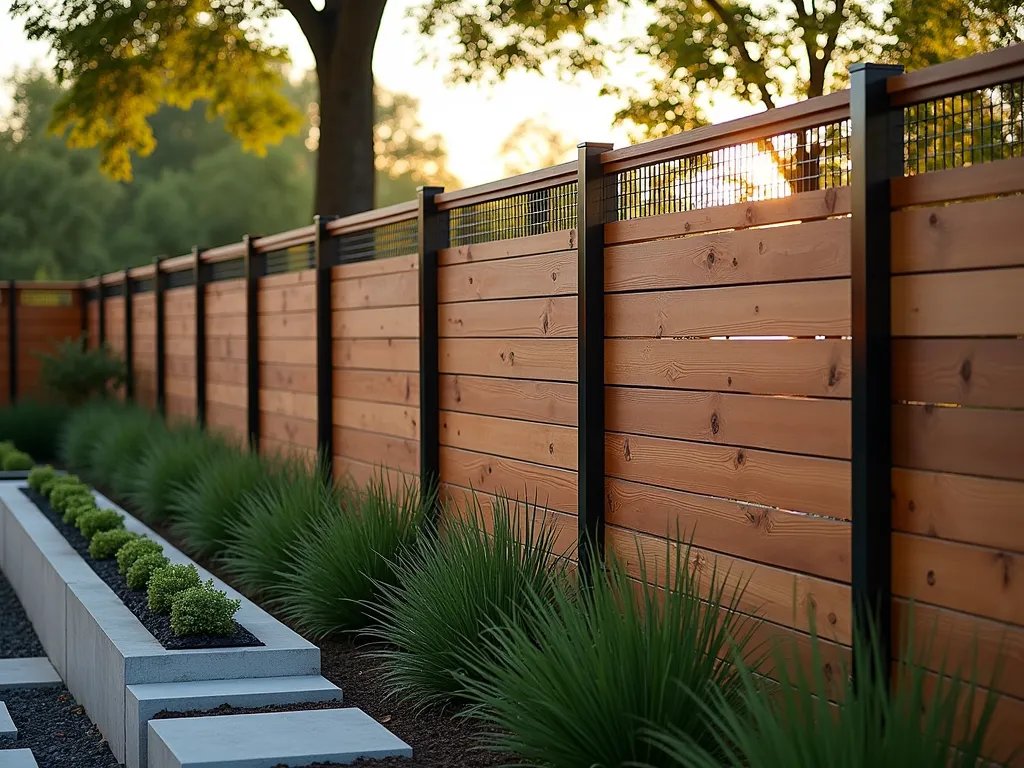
{"x": 520, "y": 215}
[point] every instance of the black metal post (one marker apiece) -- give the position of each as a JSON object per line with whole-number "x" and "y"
{"x": 323, "y": 263}
{"x": 101, "y": 333}
{"x": 253, "y": 272}
{"x": 129, "y": 350}
{"x": 875, "y": 158}
{"x": 590, "y": 220}
{"x": 433, "y": 236}
{"x": 200, "y": 288}
{"x": 83, "y": 294}
{"x": 12, "y": 339}
{"x": 161, "y": 336}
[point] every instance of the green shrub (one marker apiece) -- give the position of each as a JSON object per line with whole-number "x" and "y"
{"x": 7, "y": 447}
{"x": 75, "y": 374}
{"x": 879, "y": 724}
{"x": 204, "y": 507}
{"x": 452, "y": 589}
{"x": 341, "y": 556}
{"x": 171, "y": 459}
{"x": 34, "y": 427}
{"x": 119, "y": 448}
{"x": 39, "y": 476}
{"x": 167, "y": 582}
{"x": 107, "y": 544}
{"x": 133, "y": 550}
{"x": 203, "y": 610}
{"x": 17, "y": 461}
{"x": 78, "y": 506}
{"x": 260, "y": 540}
{"x": 142, "y": 570}
{"x": 99, "y": 520}
{"x": 577, "y": 684}
{"x": 49, "y": 486}
{"x": 62, "y": 494}
{"x": 82, "y": 431}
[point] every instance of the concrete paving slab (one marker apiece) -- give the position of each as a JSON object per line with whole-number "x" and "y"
{"x": 17, "y": 758}
{"x": 266, "y": 740}
{"x": 8, "y": 730}
{"x": 27, "y": 673}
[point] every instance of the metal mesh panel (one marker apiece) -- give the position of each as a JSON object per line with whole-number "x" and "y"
{"x": 231, "y": 269}
{"x": 182, "y": 279}
{"x": 964, "y": 129}
{"x": 294, "y": 259}
{"x": 91, "y": 294}
{"x": 527, "y": 213}
{"x": 114, "y": 289}
{"x": 144, "y": 285}
{"x": 399, "y": 238}
{"x": 773, "y": 167}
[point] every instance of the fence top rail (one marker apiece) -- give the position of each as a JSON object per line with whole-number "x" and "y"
{"x": 378, "y": 217}
{"x": 282, "y": 240}
{"x": 143, "y": 272}
{"x": 178, "y": 263}
{"x": 224, "y": 253}
{"x": 113, "y": 278}
{"x": 46, "y": 285}
{"x": 545, "y": 178}
{"x": 981, "y": 71}
{"x": 810, "y": 113}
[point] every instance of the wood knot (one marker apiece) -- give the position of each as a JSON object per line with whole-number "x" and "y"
{"x": 554, "y": 277}
{"x": 760, "y": 246}
{"x": 625, "y": 451}
{"x": 827, "y": 669}
{"x": 965, "y": 371}
{"x": 757, "y": 309}
{"x": 1006, "y": 561}
{"x": 931, "y": 578}
{"x": 933, "y": 219}
{"x": 911, "y": 506}
{"x": 832, "y": 618}
{"x": 660, "y": 332}
{"x": 830, "y": 199}
{"x": 471, "y": 281}
{"x": 686, "y": 227}
{"x": 740, "y": 458}
{"x": 551, "y": 449}
{"x": 489, "y": 469}
{"x": 929, "y": 408}
{"x": 833, "y": 376}
{"x": 458, "y": 390}
{"x": 512, "y": 358}
{"x": 711, "y": 259}
{"x": 714, "y": 424}
{"x": 572, "y": 238}
{"x": 544, "y": 322}
{"x": 749, "y": 215}
{"x": 729, "y": 380}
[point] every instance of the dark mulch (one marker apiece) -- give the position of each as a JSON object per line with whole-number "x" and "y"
{"x": 159, "y": 626}
{"x": 17, "y": 638}
{"x": 227, "y": 709}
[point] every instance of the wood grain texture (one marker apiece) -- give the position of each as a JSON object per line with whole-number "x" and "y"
{"x": 516, "y": 318}
{"x": 299, "y": 405}
{"x": 973, "y": 510}
{"x": 545, "y": 401}
{"x": 815, "y": 545}
{"x": 227, "y": 420}
{"x": 816, "y": 427}
{"x": 549, "y": 274}
{"x": 377, "y": 354}
{"x": 287, "y": 325}
{"x": 969, "y": 441}
{"x": 302, "y": 277}
{"x": 550, "y": 359}
{"x": 811, "y": 367}
{"x": 394, "y": 290}
{"x": 810, "y": 250}
{"x": 799, "y": 483}
{"x": 220, "y": 301}
{"x": 226, "y": 326}
{"x": 375, "y": 267}
{"x": 281, "y": 299}
{"x": 547, "y": 487}
{"x": 226, "y": 372}
{"x": 1004, "y": 177}
{"x": 383, "y": 418}
{"x": 291, "y": 378}
{"x": 377, "y": 386}
{"x": 978, "y": 372}
{"x": 983, "y": 303}
{"x": 820, "y": 308}
{"x": 225, "y": 394}
{"x": 360, "y": 474}
{"x": 288, "y": 351}
{"x": 371, "y": 448}
{"x": 379, "y": 323}
{"x": 286, "y": 429}
{"x": 217, "y": 348}
{"x": 563, "y": 240}
{"x": 548, "y": 444}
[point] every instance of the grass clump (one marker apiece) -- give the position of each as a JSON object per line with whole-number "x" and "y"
{"x": 167, "y": 582}
{"x": 34, "y": 427}
{"x": 142, "y": 570}
{"x": 203, "y": 610}
{"x": 133, "y": 550}
{"x": 39, "y": 476}
{"x": 99, "y": 520}
{"x": 16, "y": 461}
{"x": 119, "y": 447}
{"x": 451, "y": 590}
{"x": 107, "y": 544}
{"x": 81, "y": 432}
{"x": 578, "y": 683}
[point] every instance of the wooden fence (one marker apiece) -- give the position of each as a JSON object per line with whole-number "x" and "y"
{"x": 797, "y": 336}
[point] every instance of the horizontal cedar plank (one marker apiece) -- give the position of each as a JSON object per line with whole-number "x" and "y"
{"x": 180, "y": 409}
{"x": 976, "y": 580}
{"x": 287, "y": 429}
{"x": 547, "y": 487}
{"x": 361, "y": 474}
{"x": 287, "y": 325}
{"x": 814, "y": 249}
{"x": 302, "y": 277}
{"x": 294, "y": 404}
{"x": 181, "y": 367}
{"x": 817, "y": 427}
{"x": 946, "y": 237}
{"x": 973, "y": 510}
{"x": 548, "y": 444}
{"x": 177, "y": 326}
{"x": 373, "y": 267}
{"x": 289, "y": 351}
{"x": 290, "y": 378}
{"x": 377, "y": 386}
{"x": 816, "y": 545}
{"x": 399, "y": 289}
{"x": 382, "y": 418}
{"x": 549, "y": 242}
{"x": 180, "y": 387}
{"x": 227, "y": 326}
{"x": 777, "y": 595}
{"x": 226, "y": 418}
{"x": 546, "y": 401}
{"x": 983, "y": 303}
{"x": 799, "y": 207}
{"x": 282, "y": 299}
{"x": 377, "y": 354}
{"x": 791, "y": 367}
{"x": 226, "y": 372}
{"x": 969, "y": 441}
{"x": 270, "y": 446}
{"x": 1002, "y": 177}
{"x": 226, "y": 394}
{"x": 799, "y": 483}
{"x": 819, "y": 308}
{"x": 378, "y": 323}
{"x": 385, "y": 450}
{"x": 549, "y": 274}
{"x": 220, "y": 348}
{"x": 553, "y": 359}
{"x": 979, "y": 372}
{"x": 515, "y": 318}
{"x": 227, "y": 303}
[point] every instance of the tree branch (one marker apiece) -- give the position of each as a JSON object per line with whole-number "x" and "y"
{"x": 754, "y": 70}
{"x": 309, "y": 22}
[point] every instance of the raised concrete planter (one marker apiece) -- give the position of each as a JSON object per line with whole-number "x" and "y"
{"x": 27, "y": 673}
{"x": 97, "y": 645}
{"x": 8, "y": 731}
{"x": 267, "y": 740}
{"x": 17, "y": 758}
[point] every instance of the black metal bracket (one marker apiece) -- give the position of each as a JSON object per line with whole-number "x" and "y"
{"x": 433, "y": 236}
{"x": 200, "y": 288}
{"x": 324, "y": 345}
{"x": 253, "y": 272}
{"x": 101, "y": 334}
{"x": 12, "y": 340}
{"x": 159, "y": 285}
{"x": 129, "y": 347}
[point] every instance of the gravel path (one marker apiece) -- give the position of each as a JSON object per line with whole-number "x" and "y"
{"x": 17, "y": 638}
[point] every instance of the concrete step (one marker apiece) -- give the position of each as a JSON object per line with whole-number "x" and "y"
{"x": 17, "y": 758}
{"x": 267, "y": 740}
{"x": 8, "y": 730}
{"x": 143, "y": 701}
{"x": 28, "y": 673}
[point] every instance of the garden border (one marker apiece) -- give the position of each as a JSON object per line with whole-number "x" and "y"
{"x": 62, "y": 595}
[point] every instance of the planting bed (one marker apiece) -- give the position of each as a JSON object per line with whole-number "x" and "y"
{"x": 17, "y": 638}
{"x": 135, "y": 600}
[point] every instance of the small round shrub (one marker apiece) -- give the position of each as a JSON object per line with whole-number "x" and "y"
{"x": 63, "y": 493}
{"x": 16, "y": 461}
{"x": 130, "y": 553}
{"x": 34, "y": 427}
{"x": 6, "y": 448}
{"x": 203, "y": 610}
{"x": 169, "y": 581}
{"x": 40, "y": 475}
{"x": 77, "y": 507}
{"x": 144, "y": 567}
{"x": 106, "y": 544}
{"x": 99, "y": 520}
{"x": 49, "y": 486}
